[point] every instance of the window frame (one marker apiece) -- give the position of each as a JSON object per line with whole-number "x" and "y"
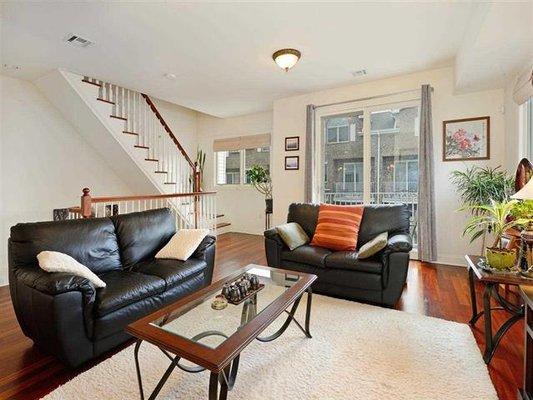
{"x": 337, "y": 134}
{"x": 242, "y": 166}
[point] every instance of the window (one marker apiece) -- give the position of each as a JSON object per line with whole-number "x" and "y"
{"x": 339, "y": 134}
{"x": 352, "y": 177}
{"x": 231, "y": 166}
{"x": 406, "y": 176}
{"x": 228, "y": 167}
{"x": 259, "y": 156}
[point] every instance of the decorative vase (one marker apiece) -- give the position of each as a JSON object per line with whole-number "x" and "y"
{"x": 269, "y": 206}
{"x": 501, "y": 258}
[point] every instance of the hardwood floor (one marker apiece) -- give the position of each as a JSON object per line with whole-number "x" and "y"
{"x": 434, "y": 290}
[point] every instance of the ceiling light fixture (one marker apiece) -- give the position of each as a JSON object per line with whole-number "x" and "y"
{"x": 170, "y": 76}
{"x": 286, "y": 58}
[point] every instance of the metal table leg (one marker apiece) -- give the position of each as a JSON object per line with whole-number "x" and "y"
{"x": 473, "y": 299}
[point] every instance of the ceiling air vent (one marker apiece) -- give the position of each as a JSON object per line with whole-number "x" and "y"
{"x": 77, "y": 40}
{"x": 360, "y": 72}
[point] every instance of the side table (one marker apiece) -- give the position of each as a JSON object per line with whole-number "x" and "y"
{"x": 492, "y": 282}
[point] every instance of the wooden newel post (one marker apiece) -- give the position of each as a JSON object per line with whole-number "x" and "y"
{"x": 196, "y": 188}
{"x": 86, "y": 208}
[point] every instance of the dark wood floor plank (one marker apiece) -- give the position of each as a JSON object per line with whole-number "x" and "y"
{"x": 434, "y": 290}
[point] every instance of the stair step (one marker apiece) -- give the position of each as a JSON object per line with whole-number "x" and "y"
{"x": 105, "y": 101}
{"x": 141, "y": 147}
{"x": 151, "y": 159}
{"x": 161, "y": 172}
{"x": 223, "y": 224}
{"x": 91, "y": 83}
{"x": 130, "y": 133}
{"x": 117, "y": 117}
{"x": 220, "y": 215}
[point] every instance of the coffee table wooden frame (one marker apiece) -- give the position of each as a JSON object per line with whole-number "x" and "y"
{"x": 222, "y": 361}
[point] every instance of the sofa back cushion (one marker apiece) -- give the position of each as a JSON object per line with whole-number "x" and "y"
{"x": 91, "y": 242}
{"x": 306, "y": 215}
{"x": 142, "y": 234}
{"x": 392, "y": 218}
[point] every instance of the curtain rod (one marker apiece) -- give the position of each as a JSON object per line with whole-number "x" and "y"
{"x": 368, "y": 98}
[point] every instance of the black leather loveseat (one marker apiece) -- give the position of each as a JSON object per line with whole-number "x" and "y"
{"x": 379, "y": 279}
{"x": 64, "y": 314}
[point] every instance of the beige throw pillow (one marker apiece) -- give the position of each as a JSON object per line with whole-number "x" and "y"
{"x": 53, "y": 261}
{"x": 373, "y": 246}
{"x": 293, "y": 235}
{"x": 183, "y": 244}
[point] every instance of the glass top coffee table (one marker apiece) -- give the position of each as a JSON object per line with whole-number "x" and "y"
{"x": 191, "y": 329}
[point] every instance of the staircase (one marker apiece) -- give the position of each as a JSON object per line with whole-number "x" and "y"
{"x": 127, "y": 128}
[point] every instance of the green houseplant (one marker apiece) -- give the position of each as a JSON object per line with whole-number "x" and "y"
{"x": 200, "y": 163}
{"x": 496, "y": 218}
{"x": 260, "y": 179}
{"x": 479, "y": 186}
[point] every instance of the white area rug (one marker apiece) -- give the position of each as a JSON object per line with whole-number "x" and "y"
{"x": 357, "y": 352}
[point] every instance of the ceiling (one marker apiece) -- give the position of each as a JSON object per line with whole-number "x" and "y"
{"x": 221, "y": 52}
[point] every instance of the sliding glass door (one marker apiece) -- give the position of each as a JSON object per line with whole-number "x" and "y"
{"x": 370, "y": 156}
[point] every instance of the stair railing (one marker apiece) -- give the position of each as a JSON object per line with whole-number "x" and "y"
{"x": 143, "y": 120}
{"x": 191, "y": 210}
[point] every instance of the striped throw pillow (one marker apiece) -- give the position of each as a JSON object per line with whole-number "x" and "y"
{"x": 337, "y": 227}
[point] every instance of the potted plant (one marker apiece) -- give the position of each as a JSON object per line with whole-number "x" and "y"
{"x": 260, "y": 179}
{"x": 496, "y": 218}
{"x": 479, "y": 186}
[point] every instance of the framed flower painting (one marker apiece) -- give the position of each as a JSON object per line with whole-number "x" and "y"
{"x": 466, "y": 139}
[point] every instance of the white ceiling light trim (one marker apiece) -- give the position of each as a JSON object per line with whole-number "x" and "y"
{"x": 286, "y": 58}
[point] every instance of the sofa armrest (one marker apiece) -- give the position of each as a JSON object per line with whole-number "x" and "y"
{"x": 202, "y": 249}
{"x": 206, "y": 252}
{"x": 273, "y": 246}
{"x": 54, "y": 283}
{"x": 399, "y": 243}
{"x": 55, "y": 310}
{"x": 272, "y": 234}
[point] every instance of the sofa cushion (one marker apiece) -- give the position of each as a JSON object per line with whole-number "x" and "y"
{"x": 142, "y": 234}
{"x": 124, "y": 288}
{"x": 311, "y": 255}
{"x": 392, "y": 218}
{"x": 338, "y": 227}
{"x": 292, "y": 235}
{"x": 173, "y": 272}
{"x": 54, "y": 261}
{"x": 92, "y": 242}
{"x": 348, "y": 260}
{"x": 304, "y": 214}
{"x": 374, "y": 246}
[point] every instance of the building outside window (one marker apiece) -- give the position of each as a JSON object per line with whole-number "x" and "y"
{"x": 231, "y": 166}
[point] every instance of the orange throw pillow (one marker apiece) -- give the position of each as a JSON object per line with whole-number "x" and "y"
{"x": 338, "y": 227}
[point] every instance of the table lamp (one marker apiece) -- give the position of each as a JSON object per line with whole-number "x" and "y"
{"x": 526, "y": 236}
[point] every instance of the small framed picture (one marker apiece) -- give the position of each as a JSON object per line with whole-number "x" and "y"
{"x": 292, "y": 163}
{"x": 466, "y": 139}
{"x": 292, "y": 143}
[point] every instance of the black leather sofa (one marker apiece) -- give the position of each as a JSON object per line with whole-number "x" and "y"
{"x": 378, "y": 280}
{"x": 64, "y": 314}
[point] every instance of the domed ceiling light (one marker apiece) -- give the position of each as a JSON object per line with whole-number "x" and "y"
{"x": 286, "y": 58}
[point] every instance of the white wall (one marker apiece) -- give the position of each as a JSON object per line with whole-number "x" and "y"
{"x": 44, "y": 161}
{"x": 289, "y": 118}
{"x": 242, "y": 205}
{"x": 514, "y": 129}
{"x": 183, "y": 123}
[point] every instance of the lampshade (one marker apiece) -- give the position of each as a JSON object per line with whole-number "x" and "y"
{"x": 526, "y": 193}
{"x": 286, "y": 58}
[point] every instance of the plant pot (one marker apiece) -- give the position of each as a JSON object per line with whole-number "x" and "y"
{"x": 501, "y": 258}
{"x": 269, "y": 206}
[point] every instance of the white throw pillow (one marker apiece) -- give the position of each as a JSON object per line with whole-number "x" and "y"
{"x": 183, "y": 244}
{"x": 54, "y": 261}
